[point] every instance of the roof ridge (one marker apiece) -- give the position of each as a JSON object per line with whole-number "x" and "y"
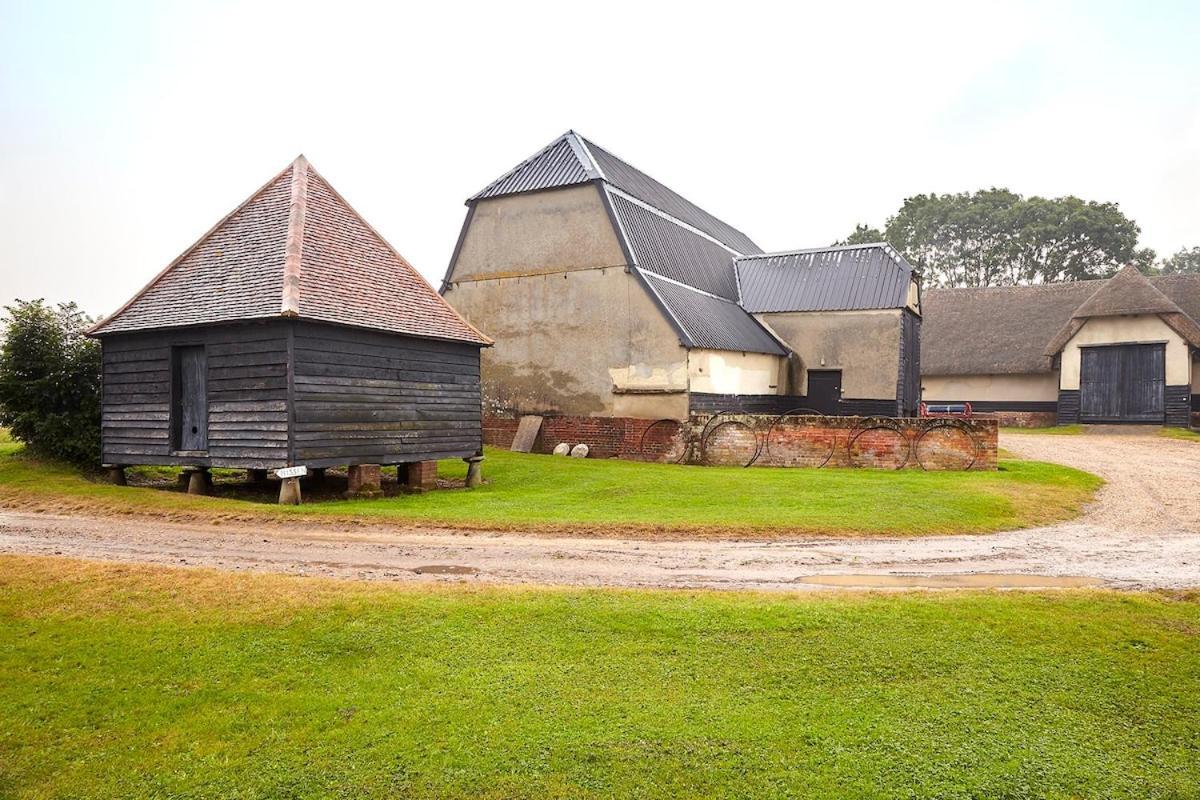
{"x": 687, "y": 286}
{"x": 669, "y": 217}
{"x": 562, "y": 137}
{"x": 584, "y": 154}
{"x": 668, "y": 189}
{"x": 179, "y": 258}
{"x": 830, "y": 249}
{"x": 294, "y": 243}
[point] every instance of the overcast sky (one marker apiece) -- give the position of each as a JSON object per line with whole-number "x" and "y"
{"x": 128, "y": 129}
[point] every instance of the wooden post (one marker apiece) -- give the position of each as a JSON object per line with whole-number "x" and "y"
{"x": 474, "y": 471}
{"x": 289, "y": 492}
{"x": 116, "y": 475}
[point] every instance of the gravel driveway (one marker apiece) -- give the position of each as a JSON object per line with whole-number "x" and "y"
{"x": 1142, "y": 532}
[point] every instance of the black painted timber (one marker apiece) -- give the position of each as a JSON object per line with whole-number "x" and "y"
{"x": 246, "y": 388}
{"x": 292, "y": 392}
{"x": 1068, "y": 406}
{"x": 1178, "y": 406}
{"x": 908, "y": 385}
{"x": 376, "y": 398}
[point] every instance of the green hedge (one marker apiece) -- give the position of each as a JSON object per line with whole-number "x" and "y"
{"x": 50, "y": 381}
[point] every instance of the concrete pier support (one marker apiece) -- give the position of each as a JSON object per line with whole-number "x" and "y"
{"x": 474, "y": 471}
{"x": 199, "y": 480}
{"x": 116, "y": 475}
{"x": 289, "y": 492}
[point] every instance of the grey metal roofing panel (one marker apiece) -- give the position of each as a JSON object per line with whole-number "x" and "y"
{"x": 557, "y": 164}
{"x": 710, "y": 322}
{"x": 637, "y": 183}
{"x": 833, "y": 279}
{"x": 663, "y": 246}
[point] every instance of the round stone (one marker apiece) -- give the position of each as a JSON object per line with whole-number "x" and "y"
{"x": 579, "y": 451}
{"x": 562, "y": 449}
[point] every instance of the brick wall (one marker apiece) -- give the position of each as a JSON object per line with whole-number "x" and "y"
{"x": 606, "y": 437}
{"x": 1025, "y": 419}
{"x": 793, "y": 441}
{"x": 842, "y": 442}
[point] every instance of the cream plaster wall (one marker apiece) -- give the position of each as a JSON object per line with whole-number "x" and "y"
{"x": 948, "y": 388}
{"x": 1136, "y": 329}
{"x": 541, "y": 232}
{"x": 864, "y": 345}
{"x": 722, "y": 372}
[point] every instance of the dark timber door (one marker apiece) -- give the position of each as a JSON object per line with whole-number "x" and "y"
{"x": 1122, "y": 383}
{"x": 191, "y": 399}
{"x": 824, "y": 390}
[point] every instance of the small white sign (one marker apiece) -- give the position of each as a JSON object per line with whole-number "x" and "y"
{"x": 291, "y": 472}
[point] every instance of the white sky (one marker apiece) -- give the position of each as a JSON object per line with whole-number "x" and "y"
{"x": 128, "y": 129}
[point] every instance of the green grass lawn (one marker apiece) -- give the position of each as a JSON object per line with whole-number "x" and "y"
{"x": 610, "y": 496}
{"x": 1181, "y": 433}
{"x": 120, "y": 681}
{"x": 1057, "y": 430}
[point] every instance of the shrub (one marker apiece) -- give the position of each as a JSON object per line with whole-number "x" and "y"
{"x": 50, "y": 381}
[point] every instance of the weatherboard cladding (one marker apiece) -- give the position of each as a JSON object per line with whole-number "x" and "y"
{"x": 662, "y": 246}
{"x": 710, "y": 322}
{"x": 556, "y": 165}
{"x": 837, "y": 279}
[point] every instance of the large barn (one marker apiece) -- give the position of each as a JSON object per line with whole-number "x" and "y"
{"x": 290, "y": 334}
{"x": 611, "y": 297}
{"x": 1120, "y": 350}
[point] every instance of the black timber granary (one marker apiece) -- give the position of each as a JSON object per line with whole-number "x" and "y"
{"x": 290, "y": 334}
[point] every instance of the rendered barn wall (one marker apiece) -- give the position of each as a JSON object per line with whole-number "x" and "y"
{"x": 543, "y": 274}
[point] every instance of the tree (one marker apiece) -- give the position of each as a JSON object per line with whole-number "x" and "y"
{"x": 995, "y": 237}
{"x": 1185, "y": 262}
{"x": 50, "y": 381}
{"x": 863, "y": 234}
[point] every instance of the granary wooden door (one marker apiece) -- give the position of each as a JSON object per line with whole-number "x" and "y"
{"x": 1122, "y": 383}
{"x": 191, "y": 398}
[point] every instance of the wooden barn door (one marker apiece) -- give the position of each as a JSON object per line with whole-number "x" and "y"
{"x": 1122, "y": 383}
{"x": 190, "y": 399}
{"x": 824, "y": 390}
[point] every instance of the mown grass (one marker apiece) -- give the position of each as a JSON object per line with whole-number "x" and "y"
{"x": 610, "y": 496}
{"x": 119, "y": 681}
{"x": 1057, "y": 430}
{"x": 1186, "y": 434}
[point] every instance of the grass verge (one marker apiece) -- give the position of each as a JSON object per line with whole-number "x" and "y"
{"x": 126, "y": 681}
{"x": 533, "y": 492}
{"x": 1057, "y": 430}
{"x": 1185, "y": 434}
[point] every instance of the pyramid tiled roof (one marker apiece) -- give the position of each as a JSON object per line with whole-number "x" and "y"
{"x": 295, "y": 248}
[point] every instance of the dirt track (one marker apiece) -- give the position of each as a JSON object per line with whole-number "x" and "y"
{"x": 1143, "y": 532}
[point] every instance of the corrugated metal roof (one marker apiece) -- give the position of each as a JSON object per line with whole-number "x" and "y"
{"x": 661, "y": 245}
{"x": 711, "y": 322}
{"x": 560, "y": 163}
{"x": 637, "y": 183}
{"x": 855, "y": 277}
{"x": 570, "y": 159}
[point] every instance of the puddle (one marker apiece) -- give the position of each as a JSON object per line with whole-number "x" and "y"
{"x": 977, "y": 580}
{"x": 445, "y": 569}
